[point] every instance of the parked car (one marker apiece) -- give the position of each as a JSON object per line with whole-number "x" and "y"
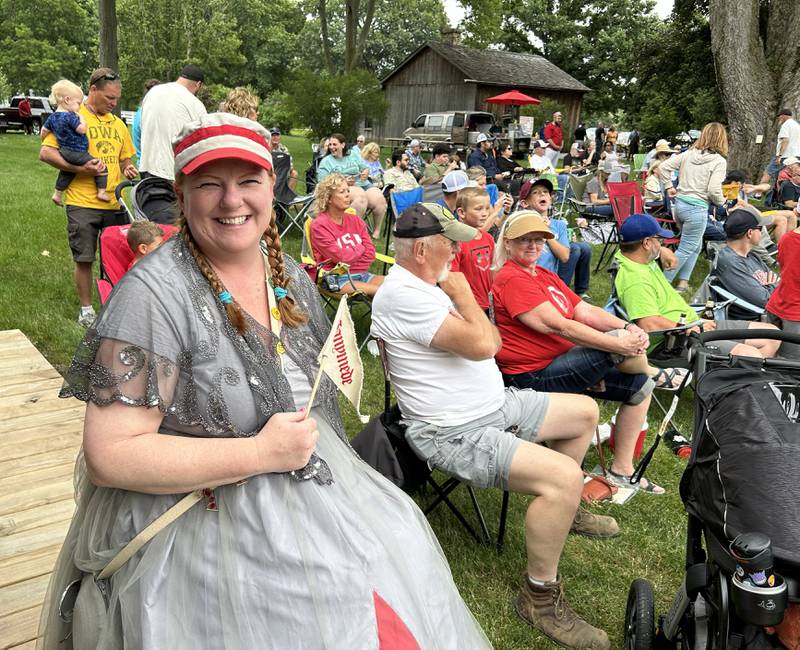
{"x": 9, "y": 115}
{"x": 461, "y": 129}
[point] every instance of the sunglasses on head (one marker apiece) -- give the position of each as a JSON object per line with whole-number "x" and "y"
{"x": 109, "y": 76}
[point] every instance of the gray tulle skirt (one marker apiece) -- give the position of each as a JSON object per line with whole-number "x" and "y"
{"x": 279, "y": 564}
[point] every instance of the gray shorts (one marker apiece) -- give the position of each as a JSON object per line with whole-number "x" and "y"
{"x": 726, "y": 347}
{"x": 480, "y": 452}
{"x": 84, "y": 226}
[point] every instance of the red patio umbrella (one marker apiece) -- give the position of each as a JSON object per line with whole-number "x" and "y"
{"x": 514, "y": 98}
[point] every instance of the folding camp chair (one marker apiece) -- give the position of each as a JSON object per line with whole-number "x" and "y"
{"x": 331, "y": 298}
{"x": 290, "y": 209}
{"x": 712, "y": 289}
{"x": 116, "y": 256}
{"x": 424, "y": 475}
{"x": 577, "y": 185}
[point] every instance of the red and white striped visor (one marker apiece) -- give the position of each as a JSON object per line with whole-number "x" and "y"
{"x": 219, "y": 136}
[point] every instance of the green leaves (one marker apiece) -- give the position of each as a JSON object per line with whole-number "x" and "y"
{"x": 329, "y": 104}
{"x": 43, "y": 41}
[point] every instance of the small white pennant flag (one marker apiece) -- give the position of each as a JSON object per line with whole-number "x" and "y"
{"x": 340, "y": 359}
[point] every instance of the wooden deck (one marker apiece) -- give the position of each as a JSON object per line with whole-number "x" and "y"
{"x": 40, "y": 435}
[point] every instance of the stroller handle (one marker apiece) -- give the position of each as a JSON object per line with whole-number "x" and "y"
{"x": 726, "y": 335}
{"x": 121, "y": 186}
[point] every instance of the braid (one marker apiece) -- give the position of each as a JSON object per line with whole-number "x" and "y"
{"x": 232, "y": 309}
{"x": 291, "y": 315}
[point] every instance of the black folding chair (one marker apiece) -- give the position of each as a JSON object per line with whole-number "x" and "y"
{"x": 423, "y": 475}
{"x": 290, "y": 209}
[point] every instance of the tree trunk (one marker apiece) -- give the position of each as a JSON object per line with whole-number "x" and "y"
{"x": 756, "y": 79}
{"x": 326, "y": 44}
{"x": 109, "y": 53}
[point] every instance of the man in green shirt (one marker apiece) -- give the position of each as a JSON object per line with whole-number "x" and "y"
{"x": 653, "y": 303}
{"x": 439, "y": 166}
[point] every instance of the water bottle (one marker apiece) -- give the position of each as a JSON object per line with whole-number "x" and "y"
{"x": 753, "y": 555}
{"x": 676, "y": 443}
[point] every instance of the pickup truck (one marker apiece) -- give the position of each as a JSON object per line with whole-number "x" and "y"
{"x": 461, "y": 129}
{"x": 9, "y": 115}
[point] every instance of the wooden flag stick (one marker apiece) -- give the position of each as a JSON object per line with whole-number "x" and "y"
{"x": 314, "y": 388}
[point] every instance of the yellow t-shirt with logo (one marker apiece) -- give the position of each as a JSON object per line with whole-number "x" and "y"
{"x": 110, "y": 141}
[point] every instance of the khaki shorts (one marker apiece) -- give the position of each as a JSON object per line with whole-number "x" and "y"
{"x": 480, "y": 452}
{"x": 84, "y": 226}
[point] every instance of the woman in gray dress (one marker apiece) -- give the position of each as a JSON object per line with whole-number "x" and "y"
{"x": 197, "y": 375}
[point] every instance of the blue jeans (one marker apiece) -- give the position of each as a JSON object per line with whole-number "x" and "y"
{"x": 603, "y": 210}
{"x": 579, "y": 369}
{"x": 578, "y": 264}
{"x": 692, "y": 220}
{"x": 714, "y": 231}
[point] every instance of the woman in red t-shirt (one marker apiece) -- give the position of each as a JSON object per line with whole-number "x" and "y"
{"x": 555, "y": 342}
{"x": 339, "y": 235}
{"x": 784, "y": 303}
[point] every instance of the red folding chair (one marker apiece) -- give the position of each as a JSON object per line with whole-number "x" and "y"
{"x": 626, "y": 199}
{"x": 116, "y": 256}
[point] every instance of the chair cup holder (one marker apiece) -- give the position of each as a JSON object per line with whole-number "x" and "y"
{"x": 760, "y": 606}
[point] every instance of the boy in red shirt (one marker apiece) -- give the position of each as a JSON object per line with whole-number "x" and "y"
{"x": 474, "y": 258}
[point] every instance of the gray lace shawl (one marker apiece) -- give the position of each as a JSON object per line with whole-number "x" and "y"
{"x": 163, "y": 341}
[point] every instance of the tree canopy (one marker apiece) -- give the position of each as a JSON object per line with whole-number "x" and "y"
{"x": 43, "y": 41}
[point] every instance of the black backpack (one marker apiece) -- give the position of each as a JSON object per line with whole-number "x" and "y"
{"x": 382, "y": 445}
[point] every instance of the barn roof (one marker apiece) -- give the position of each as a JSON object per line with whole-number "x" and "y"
{"x": 501, "y": 68}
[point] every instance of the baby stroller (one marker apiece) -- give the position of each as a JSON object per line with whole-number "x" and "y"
{"x": 150, "y": 198}
{"x": 741, "y": 492}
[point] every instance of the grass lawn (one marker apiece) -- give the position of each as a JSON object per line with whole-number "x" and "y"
{"x": 37, "y": 296}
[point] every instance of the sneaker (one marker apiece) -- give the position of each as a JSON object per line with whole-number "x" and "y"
{"x": 86, "y": 317}
{"x": 592, "y": 525}
{"x": 546, "y": 609}
{"x": 586, "y": 298}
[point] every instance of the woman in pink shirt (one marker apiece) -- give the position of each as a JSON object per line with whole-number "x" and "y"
{"x": 339, "y": 235}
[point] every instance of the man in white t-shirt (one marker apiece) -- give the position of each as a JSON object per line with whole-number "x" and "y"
{"x": 166, "y": 109}
{"x": 460, "y": 419}
{"x": 788, "y": 145}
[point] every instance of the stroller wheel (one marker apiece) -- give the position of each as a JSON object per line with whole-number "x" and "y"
{"x": 639, "y": 616}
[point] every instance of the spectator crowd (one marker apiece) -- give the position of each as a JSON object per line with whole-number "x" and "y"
{"x": 488, "y": 299}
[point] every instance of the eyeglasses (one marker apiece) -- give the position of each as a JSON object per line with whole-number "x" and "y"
{"x": 527, "y": 241}
{"x": 109, "y": 76}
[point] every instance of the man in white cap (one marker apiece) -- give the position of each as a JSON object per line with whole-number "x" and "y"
{"x": 459, "y": 418}
{"x": 539, "y": 161}
{"x": 483, "y": 156}
{"x": 416, "y": 163}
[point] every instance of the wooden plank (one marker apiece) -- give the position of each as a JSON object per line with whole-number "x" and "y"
{"x": 25, "y": 409}
{"x": 67, "y": 436}
{"x": 20, "y": 627}
{"x": 23, "y": 364}
{"x": 29, "y": 565}
{"x": 7, "y": 378}
{"x": 23, "y": 595}
{"x": 56, "y": 487}
{"x": 53, "y": 384}
{"x": 35, "y": 540}
{"x": 72, "y": 409}
{"x": 30, "y": 397}
{"x": 28, "y": 645}
{"x": 10, "y": 335}
{"x": 29, "y": 463}
{"x": 24, "y": 520}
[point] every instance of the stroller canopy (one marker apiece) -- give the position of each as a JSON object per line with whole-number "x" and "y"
{"x": 744, "y": 472}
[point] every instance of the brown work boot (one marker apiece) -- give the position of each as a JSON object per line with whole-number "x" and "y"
{"x": 592, "y": 525}
{"x": 546, "y": 609}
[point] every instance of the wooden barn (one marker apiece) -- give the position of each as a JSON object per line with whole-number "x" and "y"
{"x": 442, "y": 76}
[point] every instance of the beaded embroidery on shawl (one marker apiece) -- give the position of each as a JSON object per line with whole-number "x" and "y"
{"x": 170, "y": 386}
